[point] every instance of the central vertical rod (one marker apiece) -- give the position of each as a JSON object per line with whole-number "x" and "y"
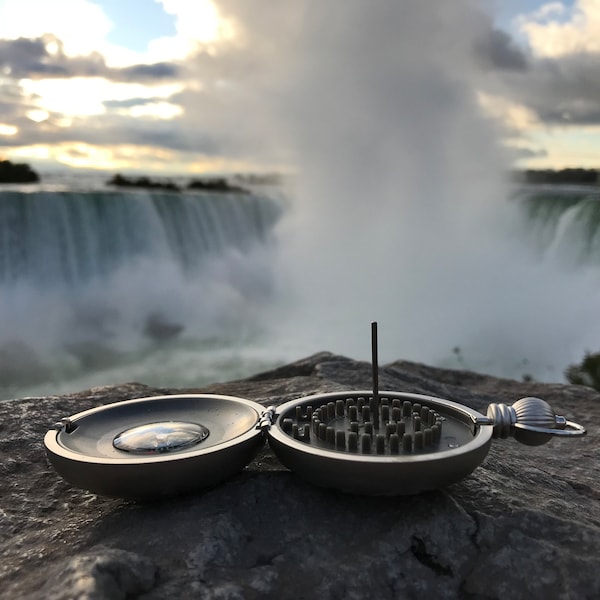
{"x": 375, "y": 367}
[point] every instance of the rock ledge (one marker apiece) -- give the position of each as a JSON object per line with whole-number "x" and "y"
{"x": 525, "y": 524}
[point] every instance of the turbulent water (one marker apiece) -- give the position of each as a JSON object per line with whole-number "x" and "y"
{"x": 99, "y": 287}
{"x": 62, "y": 239}
{"x": 564, "y": 223}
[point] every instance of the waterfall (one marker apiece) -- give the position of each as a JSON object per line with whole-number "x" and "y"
{"x": 64, "y": 238}
{"x": 103, "y": 282}
{"x": 563, "y": 225}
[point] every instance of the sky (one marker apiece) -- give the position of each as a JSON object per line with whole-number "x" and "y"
{"x": 174, "y": 86}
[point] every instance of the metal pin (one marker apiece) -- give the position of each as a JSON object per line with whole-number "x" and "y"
{"x": 360, "y": 403}
{"x": 340, "y": 408}
{"x": 331, "y": 410}
{"x": 424, "y": 413}
{"x": 394, "y": 443}
{"x": 353, "y": 441}
{"x": 322, "y": 431}
{"x": 396, "y": 413}
{"x": 365, "y": 443}
{"x": 437, "y": 433}
{"x": 353, "y": 413}
{"x": 396, "y": 403}
{"x": 385, "y": 413}
{"x": 340, "y": 440}
{"x": 354, "y": 426}
{"x": 419, "y": 440}
{"x": 330, "y": 435}
{"x": 298, "y": 413}
{"x": 416, "y": 422}
{"x": 366, "y": 413}
{"x": 306, "y": 432}
{"x": 295, "y": 431}
{"x": 369, "y": 427}
{"x": 406, "y": 409}
{"x": 401, "y": 428}
{"x": 309, "y": 412}
{"x": 380, "y": 443}
{"x": 428, "y": 434}
{"x": 287, "y": 425}
{"x": 316, "y": 424}
{"x": 375, "y": 368}
{"x": 390, "y": 428}
{"x": 407, "y": 442}
{"x": 417, "y": 408}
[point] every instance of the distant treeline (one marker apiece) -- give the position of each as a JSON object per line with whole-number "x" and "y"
{"x": 17, "y": 173}
{"x": 216, "y": 184}
{"x": 573, "y": 176}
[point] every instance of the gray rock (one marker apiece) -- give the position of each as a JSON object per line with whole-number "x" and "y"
{"x": 101, "y": 573}
{"x": 525, "y": 524}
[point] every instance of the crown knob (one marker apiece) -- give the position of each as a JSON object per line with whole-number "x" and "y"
{"x": 531, "y": 421}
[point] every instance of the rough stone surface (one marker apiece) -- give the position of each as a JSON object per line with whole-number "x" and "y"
{"x": 525, "y": 524}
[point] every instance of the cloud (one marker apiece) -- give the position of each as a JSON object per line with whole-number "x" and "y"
{"x": 145, "y": 73}
{"x": 495, "y": 49}
{"x": 114, "y": 129}
{"x": 231, "y": 101}
{"x": 44, "y": 57}
{"x": 81, "y": 24}
{"x": 520, "y": 153}
{"x": 561, "y": 91}
{"x": 128, "y": 103}
{"x": 555, "y": 31}
{"x": 238, "y": 97}
{"x": 555, "y": 81}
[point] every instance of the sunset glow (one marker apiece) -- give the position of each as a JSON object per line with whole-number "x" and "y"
{"x": 185, "y": 74}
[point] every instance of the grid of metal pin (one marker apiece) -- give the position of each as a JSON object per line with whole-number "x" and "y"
{"x": 350, "y": 425}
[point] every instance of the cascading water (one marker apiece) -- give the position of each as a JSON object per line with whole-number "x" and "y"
{"x": 61, "y": 238}
{"x": 564, "y": 224}
{"x": 94, "y": 280}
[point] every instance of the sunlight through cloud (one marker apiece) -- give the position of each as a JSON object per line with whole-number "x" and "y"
{"x": 555, "y": 31}
{"x": 81, "y": 25}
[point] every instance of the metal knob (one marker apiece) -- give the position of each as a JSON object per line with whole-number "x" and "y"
{"x": 531, "y": 421}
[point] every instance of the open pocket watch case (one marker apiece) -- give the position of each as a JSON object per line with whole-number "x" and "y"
{"x": 367, "y": 442}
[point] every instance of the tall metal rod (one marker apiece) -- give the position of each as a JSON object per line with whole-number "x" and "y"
{"x": 375, "y": 367}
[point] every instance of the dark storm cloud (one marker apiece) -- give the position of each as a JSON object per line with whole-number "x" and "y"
{"x": 155, "y": 71}
{"x": 19, "y": 57}
{"x": 563, "y": 90}
{"x": 497, "y": 50}
{"x": 32, "y": 58}
{"x": 560, "y": 91}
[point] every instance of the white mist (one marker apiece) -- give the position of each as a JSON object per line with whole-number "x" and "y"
{"x": 401, "y": 213}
